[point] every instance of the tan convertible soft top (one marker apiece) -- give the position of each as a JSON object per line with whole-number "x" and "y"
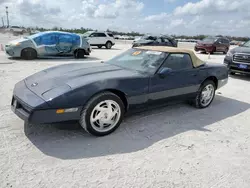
{"x": 196, "y": 61}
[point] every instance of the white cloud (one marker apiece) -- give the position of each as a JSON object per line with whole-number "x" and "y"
{"x": 212, "y": 6}
{"x": 229, "y": 17}
{"x": 112, "y": 9}
{"x": 157, "y": 17}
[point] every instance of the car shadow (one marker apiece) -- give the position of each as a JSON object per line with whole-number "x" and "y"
{"x": 58, "y": 58}
{"x": 103, "y": 48}
{"x": 241, "y": 77}
{"x": 137, "y": 132}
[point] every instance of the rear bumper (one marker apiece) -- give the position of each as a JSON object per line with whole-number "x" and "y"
{"x": 31, "y": 108}
{"x": 235, "y": 67}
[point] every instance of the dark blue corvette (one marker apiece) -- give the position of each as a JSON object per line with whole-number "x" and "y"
{"x": 98, "y": 95}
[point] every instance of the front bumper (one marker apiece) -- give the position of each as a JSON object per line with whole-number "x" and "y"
{"x": 13, "y": 51}
{"x": 236, "y": 67}
{"x": 204, "y": 48}
{"x": 31, "y": 108}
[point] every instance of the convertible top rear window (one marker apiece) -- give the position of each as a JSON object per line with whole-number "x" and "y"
{"x": 140, "y": 60}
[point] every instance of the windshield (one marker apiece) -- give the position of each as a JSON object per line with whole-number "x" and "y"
{"x": 87, "y": 34}
{"x": 139, "y": 60}
{"x": 209, "y": 39}
{"x": 146, "y": 37}
{"x": 246, "y": 44}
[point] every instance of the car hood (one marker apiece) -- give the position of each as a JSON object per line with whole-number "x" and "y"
{"x": 18, "y": 41}
{"x": 241, "y": 49}
{"x": 63, "y": 78}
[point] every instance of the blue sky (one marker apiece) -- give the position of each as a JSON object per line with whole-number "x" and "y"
{"x": 188, "y": 17}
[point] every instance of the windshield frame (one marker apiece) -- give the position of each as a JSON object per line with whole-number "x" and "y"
{"x": 156, "y": 69}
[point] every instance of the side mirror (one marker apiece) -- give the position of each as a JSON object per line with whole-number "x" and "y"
{"x": 164, "y": 72}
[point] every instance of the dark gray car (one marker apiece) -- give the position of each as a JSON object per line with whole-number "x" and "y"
{"x": 150, "y": 40}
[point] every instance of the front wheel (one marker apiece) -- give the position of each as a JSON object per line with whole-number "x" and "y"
{"x": 28, "y": 54}
{"x": 103, "y": 114}
{"x": 226, "y": 50}
{"x": 205, "y": 94}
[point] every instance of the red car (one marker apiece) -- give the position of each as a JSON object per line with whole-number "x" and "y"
{"x": 213, "y": 44}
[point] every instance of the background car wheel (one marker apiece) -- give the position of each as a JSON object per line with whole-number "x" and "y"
{"x": 205, "y": 94}
{"x": 225, "y": 52}
{"x": 108, "y": 45}
{"x": 28, "y": 54}
{"x": 99, "y": 46}
{"x": 103, "y": 114}
{"x": 79, "y": 54}
{"x": 232, "y": 73}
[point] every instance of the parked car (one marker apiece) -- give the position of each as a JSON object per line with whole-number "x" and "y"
{"x": 48, "y": 43}
{"x": 213, "y": 44}
{"x": 99, "y": 94}
{"x": 16, "y": 29}
{"x": 238, "y": 59}
{"x": 149, "y": 40}
{"x": 100, "y": 39}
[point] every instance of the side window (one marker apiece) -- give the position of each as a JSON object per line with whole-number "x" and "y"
{"x": 225, "y": 41}
{"x": 93, "y": 35}
{"x": 64, "y": 38}
{"x": 47, "y": 39}
{"x": 76, "y": 40}
{"x": 111, "y": 35}
{"x": 101, "y": 35}
{"x": 219, "y": 40}
{"x": 159, "y": 40}
{"x": 178, "y": 62}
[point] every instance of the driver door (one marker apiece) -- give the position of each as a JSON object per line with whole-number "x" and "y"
{"x": 180, "y": 82}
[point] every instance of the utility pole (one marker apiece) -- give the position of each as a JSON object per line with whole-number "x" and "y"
{"x": 2, "y": 21}
{"x": 7, "y": 14}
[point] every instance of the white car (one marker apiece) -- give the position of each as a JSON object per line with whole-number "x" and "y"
{"x": 100, "y": 39}
{"x": 16, "y": 29}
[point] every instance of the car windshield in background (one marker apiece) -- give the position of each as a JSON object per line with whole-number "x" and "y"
{"x": 87, "y": 34}
{"x": 139, "y": 60}
{"x": 148, "y": 37}
{"x": 247, "y": 44}
{"x": 209, "y": 39}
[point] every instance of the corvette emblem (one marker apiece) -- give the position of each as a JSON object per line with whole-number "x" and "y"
{"x": 34, "y": 84}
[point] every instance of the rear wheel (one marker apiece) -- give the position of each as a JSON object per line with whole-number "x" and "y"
{"x": 108, "y": 45}
{"x": 205, "y": 95}
{"x": 79, "y": 54}
{"x": 28, "y": 54}
{"x": 103, "y": 114}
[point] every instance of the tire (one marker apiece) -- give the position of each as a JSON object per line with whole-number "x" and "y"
{"x": 99, "y": 46}
{"x": 225, "y": 52}
{"x": 232, "y": 73}
{"x": 108, "y": 45}
{"x": 90, "y": 112}
{"x": 28, "y": 54}
{"x": 197, "y": 102}
{"x": 79, "y": 54}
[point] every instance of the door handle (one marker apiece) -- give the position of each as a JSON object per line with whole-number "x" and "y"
{"x": 194, "y": 74}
